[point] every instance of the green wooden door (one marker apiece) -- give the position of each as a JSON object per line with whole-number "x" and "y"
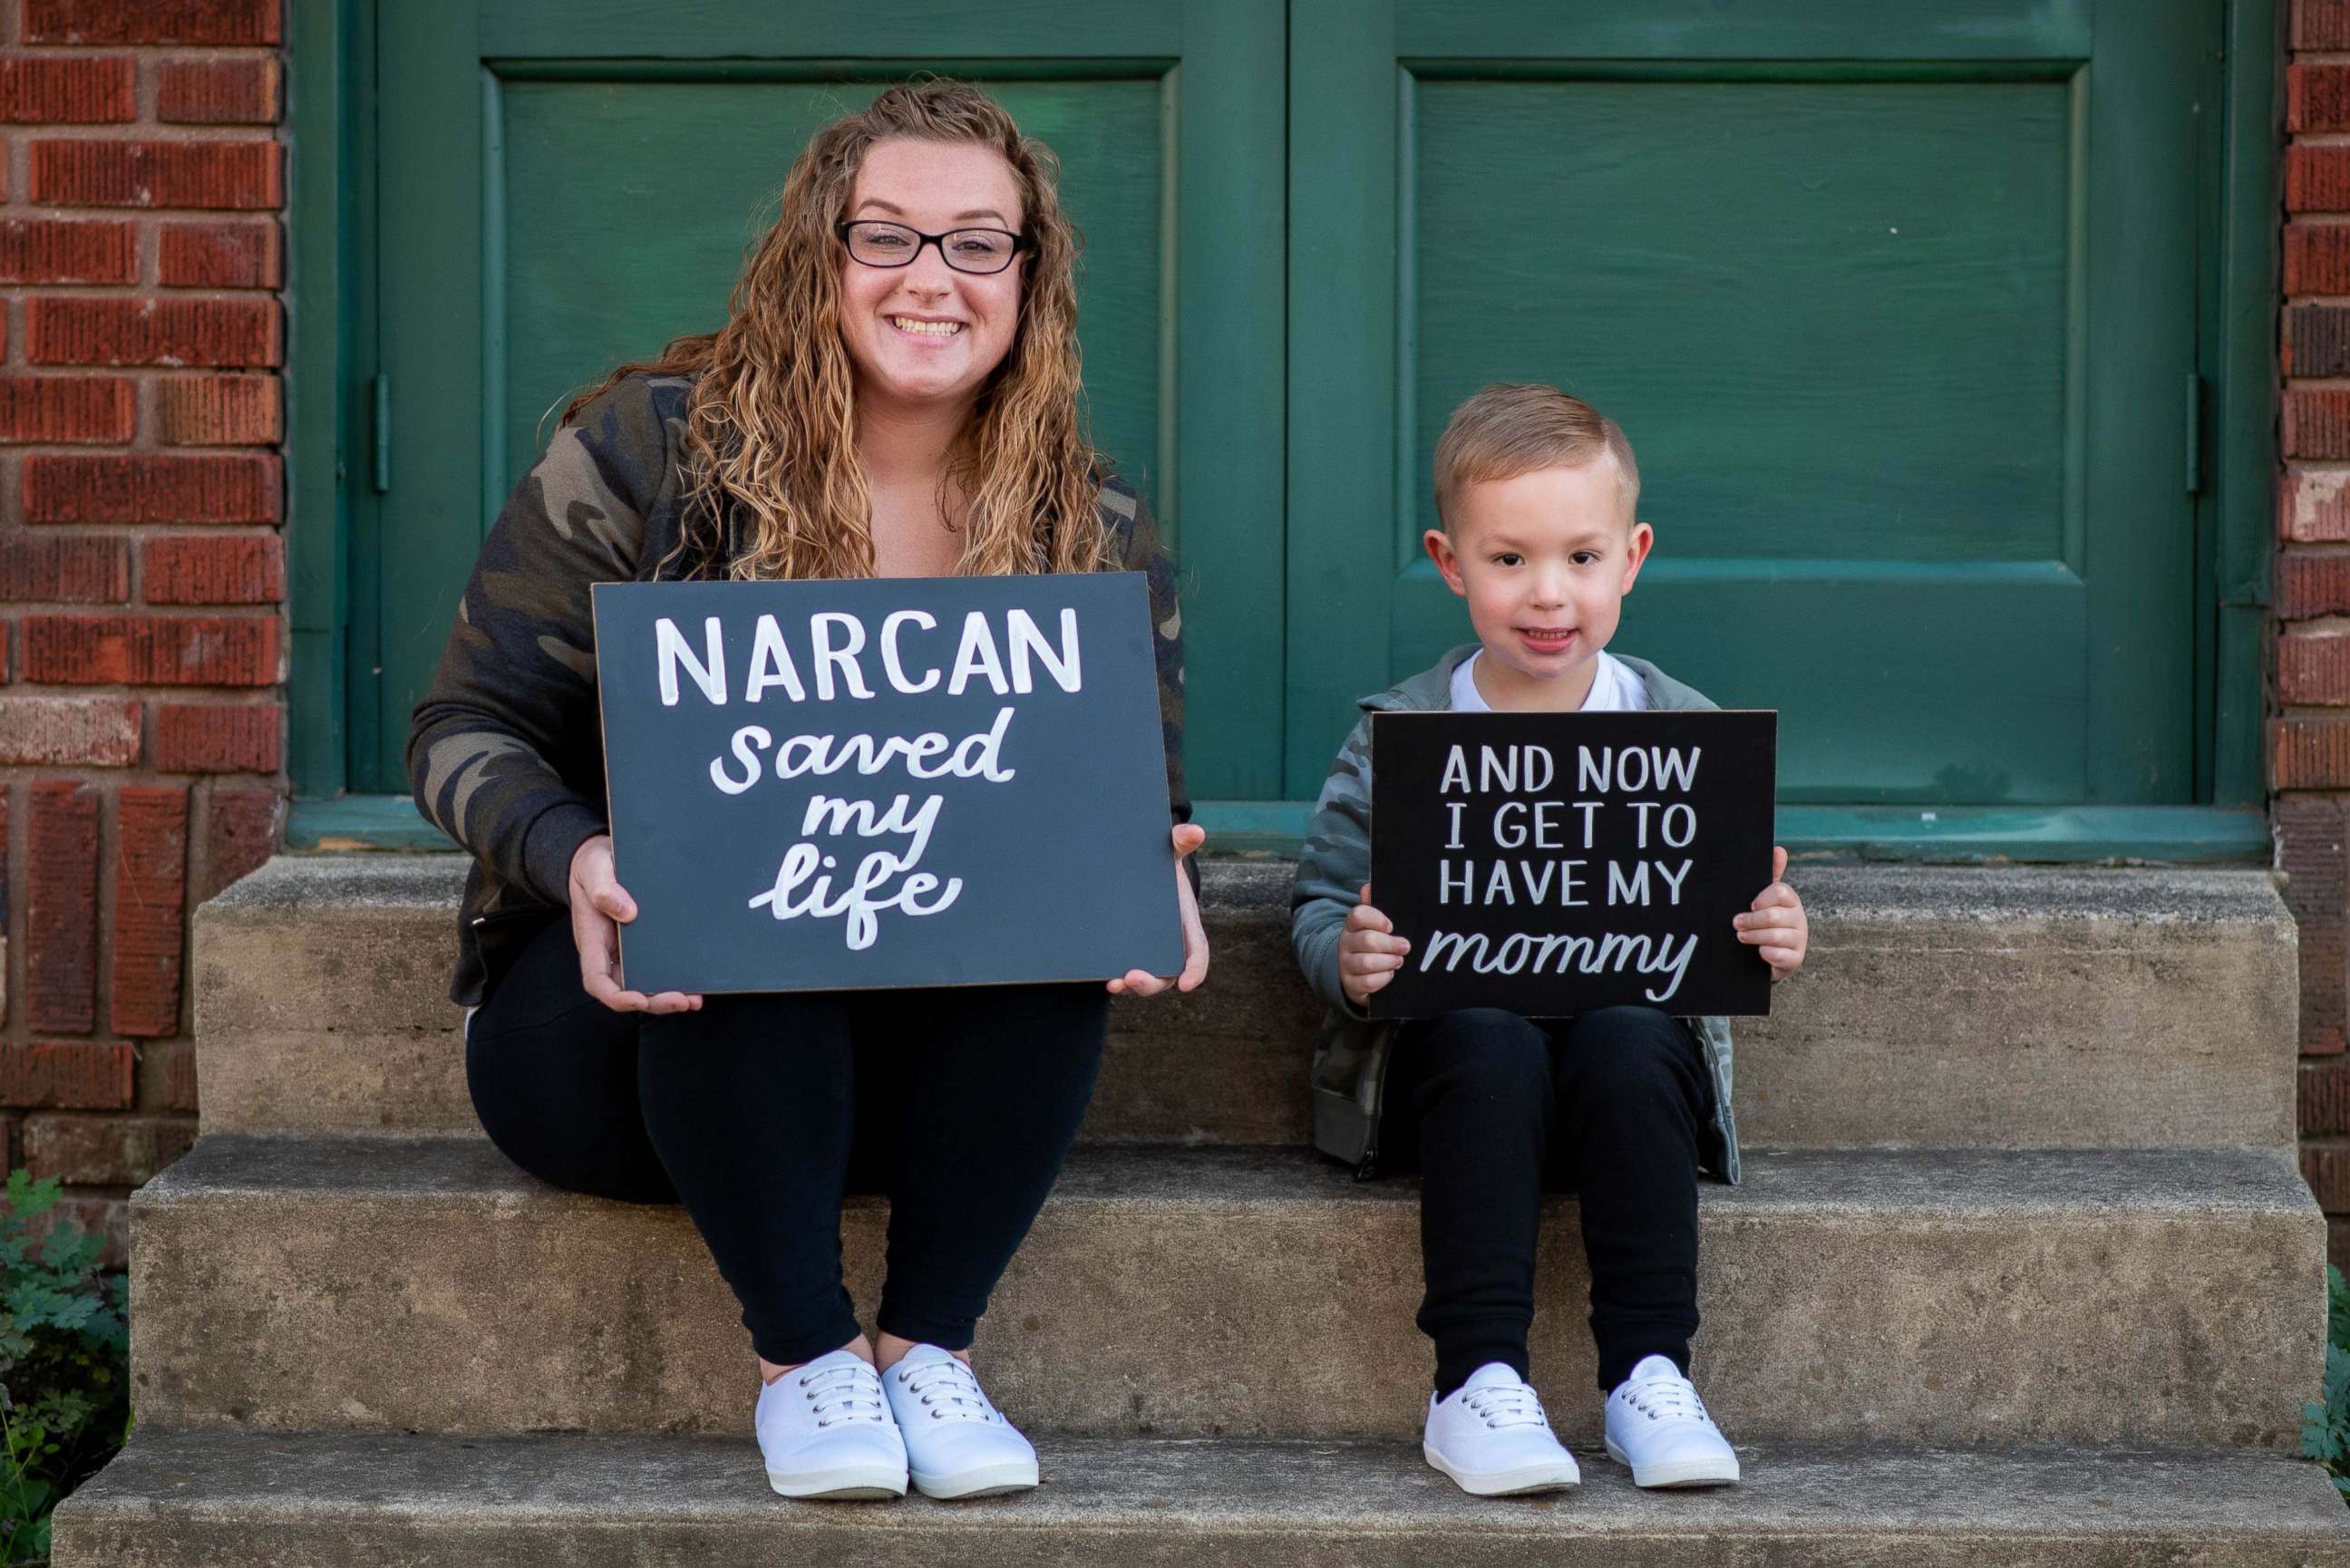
{"x": 565, "y": 184}
{"x": 1896, "y": 303}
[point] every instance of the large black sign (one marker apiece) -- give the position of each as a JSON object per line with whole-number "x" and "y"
{"x": 937, "y": 780}
{"x": 1553, "y": 862}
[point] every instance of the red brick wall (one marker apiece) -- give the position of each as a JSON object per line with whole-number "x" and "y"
{"x": 142, "y": 572}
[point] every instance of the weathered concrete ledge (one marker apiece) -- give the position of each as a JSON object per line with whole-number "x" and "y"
{"x": 2021, "y": 1008}
{"x": 1952, "y": 1298}
{"x": 177, "y": 1498}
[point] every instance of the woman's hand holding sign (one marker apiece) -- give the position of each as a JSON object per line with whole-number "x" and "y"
{"x": 1137, "y": 982}
{"x": 1369, "y": 952}
{"x": 599, "y": 908}
{"x": 1775, "y": 922}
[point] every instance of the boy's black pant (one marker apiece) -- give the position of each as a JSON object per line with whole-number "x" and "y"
{"x": 1493, "y": 1108}
{"x": 759, "y": 1112}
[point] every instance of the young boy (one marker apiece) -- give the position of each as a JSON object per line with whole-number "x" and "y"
{"x": 1536, "y": 492}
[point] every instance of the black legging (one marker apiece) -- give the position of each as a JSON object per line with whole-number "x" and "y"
{"x": 1493, "y": 1108}
{"x": 760, "y": 1111}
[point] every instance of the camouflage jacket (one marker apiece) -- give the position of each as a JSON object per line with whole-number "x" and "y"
{"x": 1351, "y": 1060}
{"x": 506, "y": 751}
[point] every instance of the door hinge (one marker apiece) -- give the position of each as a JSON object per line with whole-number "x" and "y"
{"x": 379, "y": 420}
{"x": 2194, "y": 435}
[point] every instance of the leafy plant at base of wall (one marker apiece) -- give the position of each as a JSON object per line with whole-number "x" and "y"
{"x": 2325, "y": 1425}
{"x": 64, "y": 1353}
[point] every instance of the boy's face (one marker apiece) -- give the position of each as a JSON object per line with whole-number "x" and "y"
{"x": 1545, "y": 561}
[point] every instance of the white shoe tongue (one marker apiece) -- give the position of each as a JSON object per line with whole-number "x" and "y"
{"x": 1654, "y": 1366}
{"x": 1494, "y": 1374}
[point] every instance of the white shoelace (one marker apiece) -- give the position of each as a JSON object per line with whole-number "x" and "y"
{"x": 949, "y": 1391}
{"x": 1514, "y": 1405}
{"x": 1665, "y": 1399}
{"x": 853, "y": 1391}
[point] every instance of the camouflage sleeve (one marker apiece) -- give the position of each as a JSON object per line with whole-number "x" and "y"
{"x": 504, "y": 753}
{"x": 1144, "y": 552}
{"x": 1333, "y": 867}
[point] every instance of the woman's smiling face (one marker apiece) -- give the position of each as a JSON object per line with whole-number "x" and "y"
{"x": 923, "y": 334}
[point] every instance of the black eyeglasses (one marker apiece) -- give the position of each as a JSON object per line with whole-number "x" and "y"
{"x": 981, "y": 251}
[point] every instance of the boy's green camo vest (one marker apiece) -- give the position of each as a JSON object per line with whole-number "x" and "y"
{"x": 1350, "y": 1062}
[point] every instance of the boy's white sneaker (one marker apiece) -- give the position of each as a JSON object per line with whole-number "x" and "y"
{"x": 1490, "y": 1435}
{"x": 825, "y": 1432}
{"x": 1658, "y": 1424}
{"x": 957, "y": 1443}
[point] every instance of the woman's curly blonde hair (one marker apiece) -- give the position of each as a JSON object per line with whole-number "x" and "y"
{"x": 771, "y": 428}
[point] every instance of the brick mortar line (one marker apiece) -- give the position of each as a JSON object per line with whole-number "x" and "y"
{"x": 18, "y": 609}
{"x": 23, "y": 206}
{"x": 18, "y": 794}
{"x": 135, "y": 532}
{"x": 195, "y": 132}
{"x": 17, "y": 48}
{"x": 126, "y": 372}
{"x": 258, "y": 697}
{"x": 192, "y": 294}
{"x": 141, "y": 215}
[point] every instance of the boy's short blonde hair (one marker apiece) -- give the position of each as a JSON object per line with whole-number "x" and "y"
{"x": 1516, "y": 426}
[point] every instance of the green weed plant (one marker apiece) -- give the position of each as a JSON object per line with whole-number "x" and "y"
{"x": 64, "y": 1353}
{"x": 2325, "y": 1424}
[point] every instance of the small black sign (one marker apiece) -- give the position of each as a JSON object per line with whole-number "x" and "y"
{"x": 1553, "y": 862}
{"x": 931, "y": 781}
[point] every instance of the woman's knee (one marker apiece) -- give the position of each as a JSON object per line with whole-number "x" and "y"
{"x": 560, "y": 1101}
{"x": 609, "y": 1160}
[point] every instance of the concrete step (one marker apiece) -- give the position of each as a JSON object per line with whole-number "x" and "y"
{"x": 2013, "y": 1008}
{"x": 205, "y": 1499}
{"x": 1951, "y": 1298}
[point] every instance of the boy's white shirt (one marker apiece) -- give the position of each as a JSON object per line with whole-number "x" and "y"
{"x": 1614, "y": 688}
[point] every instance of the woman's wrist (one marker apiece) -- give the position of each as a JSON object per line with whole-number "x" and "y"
{"x": 552, "y": 842}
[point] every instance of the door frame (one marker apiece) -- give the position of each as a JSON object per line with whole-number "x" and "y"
{"x": 330, "y": 301}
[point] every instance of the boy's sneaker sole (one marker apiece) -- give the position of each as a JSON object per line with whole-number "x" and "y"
{"x": 1680, "y": 1473}
{"x": 849, "y": 1483}
{"x": 1519, "y": 1482}
{"x": 981, "y": 1480}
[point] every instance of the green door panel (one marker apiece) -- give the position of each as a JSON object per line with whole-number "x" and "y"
{"x": 569, "y": 186}
{"x": 589, "y": 284}
{"x": 1897, "y": 310}
{"x": 1899, "y": 305}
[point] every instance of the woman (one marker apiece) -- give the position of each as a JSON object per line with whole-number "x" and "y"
{"x": 894, "y": 394}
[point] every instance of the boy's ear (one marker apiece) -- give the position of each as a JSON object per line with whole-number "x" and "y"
{"x": 1438, "y": 546}
{"x": 1635, "y": 552}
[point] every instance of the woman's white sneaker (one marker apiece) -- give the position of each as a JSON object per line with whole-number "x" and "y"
{"x": 1658, "y": 1424}
{"x": 1491, "y": 1435}
{"x": 957, "y": 1443}
{"x": 826, "y": 1432}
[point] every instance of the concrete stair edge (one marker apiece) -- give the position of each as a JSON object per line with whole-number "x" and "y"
{"x": 1994, "y": 1007}
{"x": 2094, "y": 1296}
{"x": 180, "y": 1499}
